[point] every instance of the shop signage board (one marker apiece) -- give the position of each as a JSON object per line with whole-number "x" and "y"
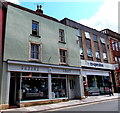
{"x": 22, "y": 67}
{"x": 99, "y": 65}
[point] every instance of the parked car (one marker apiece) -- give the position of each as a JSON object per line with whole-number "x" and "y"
{"x": 93, "y": 91}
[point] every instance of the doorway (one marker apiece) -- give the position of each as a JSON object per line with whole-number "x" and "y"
{"x": 71, "y": 84}
{"x": 14, "y": 93}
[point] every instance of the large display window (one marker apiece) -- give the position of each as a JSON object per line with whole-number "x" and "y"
{"x": 34, "y": 86}
{"x": 59, "y": 86}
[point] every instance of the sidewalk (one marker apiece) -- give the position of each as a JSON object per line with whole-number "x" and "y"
{"x": 89, "y": 99}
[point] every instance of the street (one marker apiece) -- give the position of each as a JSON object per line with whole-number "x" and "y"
{"x": 109, "y": 105}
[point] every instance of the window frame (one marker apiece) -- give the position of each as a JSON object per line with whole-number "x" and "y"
{"x": 40, "y": 51}
{"x": 87, "y": 35}
{"x": 62, "y": 37}
{"x": 37, "y": 30}
{"x": 102, "y": 40}
{"x": 66, "y": 56}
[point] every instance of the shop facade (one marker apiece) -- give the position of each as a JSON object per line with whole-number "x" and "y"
{"x": 33, "y": 82}
{"x": 96, "y": 76}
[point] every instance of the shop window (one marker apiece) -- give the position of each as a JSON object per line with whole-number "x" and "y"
{"x": 34, "y": 88}
{"x": 61, "y": 35}
{"x": 63, "y": 56}
{"x": 35, "y": 28}
{"x": 102, "y": 40}
{"x": 35, "y": 51}
{"x": 58, "y": 86}
{"x": 87, "y": 35}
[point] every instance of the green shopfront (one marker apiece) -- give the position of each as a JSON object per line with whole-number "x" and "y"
{"x": 34, "y": 82}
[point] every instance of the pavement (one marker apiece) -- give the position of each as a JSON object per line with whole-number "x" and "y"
{"x": 89, "y": 99}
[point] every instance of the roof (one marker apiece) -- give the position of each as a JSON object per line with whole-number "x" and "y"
{"x": 77, "y": 25}
{"x": 28, "y": 10}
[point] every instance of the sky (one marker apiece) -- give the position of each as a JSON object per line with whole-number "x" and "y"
{"x": 97, "y": 14}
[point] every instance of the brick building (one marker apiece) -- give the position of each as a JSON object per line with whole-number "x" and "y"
{"x": 114, "y": 39}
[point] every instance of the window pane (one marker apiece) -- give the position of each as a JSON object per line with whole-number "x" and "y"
{"x": 96, "y": 46}
{"x": 87, "y": 35}
{"x": 97, "y": 55}
{"x": 35, "y": 51}
{"x": 79, "y": 33}
{"x": 102, "y": 40}
{"x": 63, "y": 56}
{"x": 81, "y": 51}
{"x": 61, "y": 35}
{"x": 104, "y": 48}
{"x": 35, "y": 28}
{"x": 95, "y": 38}
{"x": 88, "y": 43}
{"x": 104, "y": 56}
{"x": 89, "y": 52}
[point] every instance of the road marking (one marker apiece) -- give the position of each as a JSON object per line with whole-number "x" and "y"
{"x": 86, "y": 104}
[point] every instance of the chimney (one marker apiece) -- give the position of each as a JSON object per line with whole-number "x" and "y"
{"x": 39, "y": 9}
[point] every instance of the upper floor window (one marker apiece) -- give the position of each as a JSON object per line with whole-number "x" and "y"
{"x": 63, "y": 56}
{"x": 95, "y": 38}
{"x": 97, "y": 55}
{"x": 104, "y": 56}
{"x": 81, "y": 51}
{"x": 102, "y": 40}
{"x": 61, "y": 35}
{"x": 35, "y": 51}
{"x": 35, "y": 28}
{"x": 87, "y": 35}
{"x": 89, "y": 52}
{"x": 88, "y": 43}
{"x": 79, "y": 33}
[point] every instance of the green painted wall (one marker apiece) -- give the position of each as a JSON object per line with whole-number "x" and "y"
{"x": 17, "y": 38}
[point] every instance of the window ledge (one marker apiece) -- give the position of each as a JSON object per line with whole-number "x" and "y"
{"x": 35, "y": 60}
{"x": 35, "y": 35}
{"x": 65, "y": 64}
{"x": 62, "y": 42}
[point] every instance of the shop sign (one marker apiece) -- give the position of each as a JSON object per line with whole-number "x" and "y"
{"x": 87, "y": 63}
{"x": 96, "y": 64}
{"x": 42, "y": 69}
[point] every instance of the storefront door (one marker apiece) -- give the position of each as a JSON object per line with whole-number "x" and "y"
{"x": 14, "y": 93}
{"x": 71, "y": 82}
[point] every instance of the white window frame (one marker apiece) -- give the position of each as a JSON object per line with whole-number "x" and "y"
{"x": 66, "y": 56}
{"x": 40, "y": 51}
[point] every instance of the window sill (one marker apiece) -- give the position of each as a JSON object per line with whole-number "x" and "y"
{"x": 35, "y": 35}
{"x": 62, "y": 42}
{"x": 65, "y": 64}
{"x": 35, "y": 60}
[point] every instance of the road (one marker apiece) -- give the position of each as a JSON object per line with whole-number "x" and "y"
{"x": 109, "y": 105}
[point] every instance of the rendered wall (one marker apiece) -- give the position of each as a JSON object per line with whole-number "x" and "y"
{"x": 17, "y": 38}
